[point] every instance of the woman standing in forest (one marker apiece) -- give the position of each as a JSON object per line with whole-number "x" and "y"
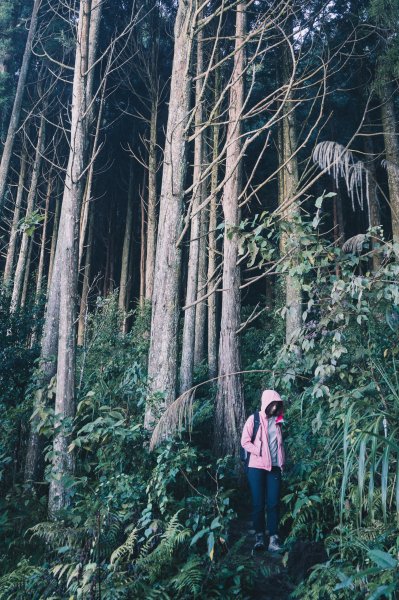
{"x": 262, "y": 439}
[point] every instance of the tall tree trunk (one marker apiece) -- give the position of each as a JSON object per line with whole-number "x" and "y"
{"x": 189, "y": 335}
{"x": 374, "y": 217}
{"x": 122, "y": 302}
{"x": 132, "y": 265}
{"x": 84, "y": 216}
{"x": 392, "y": 156}
{"x": 293, "y": 294}
{"x": 152, "y": 204}
{"x": 62, "y": 463}
{"x": 201, "y": 307}
{"x": 53, "y": 241}
{"x": 165, "y": 309}
{"x": 16, "y": 110}
{"x": 230, "y": 411}
{"x": 23, "y": 251}
{"x": 25, "y": 286}
{"x": 15, "y": 220}
{"x": 48, "y": 364}
{"x": 40, "y": 269}
{"x": 83, "y": 310}
{"x": 212, "y": 256}
{"x": 142, "y": 250}
{"x": 339, "y": 225}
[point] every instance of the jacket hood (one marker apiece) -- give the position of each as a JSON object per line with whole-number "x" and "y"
{"x": 269, "y": 396}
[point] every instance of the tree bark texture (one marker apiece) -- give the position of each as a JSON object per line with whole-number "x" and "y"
{"x": 374, "y": 217}
{"x": 25, "y": 286}
{"x": 40, "y": 269}
{"x": 189, "y": 332}
{"x": 62, "y": 465}
{"x": 201, "y": 307}
{"x": 212, "y": 246}
{"x": 16, "y": 110}
{"x": 14, "y": 225}
{"x": 230, "y": 410}
{"x": 293, "y": 293}
{"x": 47, "y": 368}
{"x": 23, "y": 251}
{"x": 93, "y": 40}
{"x": 86, "y": 281}
{"x": 151, "y": 236}
{"x": 392, "y": 156}
{"x": 165, "y": 306}
{"x": 54, "y": 236}
{"x": 142, "y": 251}
{"x": 122, "y": 301}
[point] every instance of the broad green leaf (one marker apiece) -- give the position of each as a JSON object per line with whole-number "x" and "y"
{"x": 382, "y": 559}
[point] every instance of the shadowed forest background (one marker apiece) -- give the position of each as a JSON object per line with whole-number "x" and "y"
{"x": 198, "y": 201}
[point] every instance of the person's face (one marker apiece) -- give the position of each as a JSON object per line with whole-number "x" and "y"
{"x": 274, "y": 409}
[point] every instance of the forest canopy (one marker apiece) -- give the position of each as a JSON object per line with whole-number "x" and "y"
{"x": 198, "y": 201}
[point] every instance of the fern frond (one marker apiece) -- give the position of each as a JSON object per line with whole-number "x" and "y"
{"x": 12, "y": 584}
{"x": 152, "y": 563}
{"x": 126, "y": 549}
{"x": 190, "y": 577}
{"x": 55, "y": 534}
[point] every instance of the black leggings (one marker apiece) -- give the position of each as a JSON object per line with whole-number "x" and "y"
{"x": 265, "y": 489}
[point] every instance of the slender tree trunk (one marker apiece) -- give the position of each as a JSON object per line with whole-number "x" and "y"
{"x": 86, "y": 282}
{"x": 40, "y": 269}
{"x": 293, "y": 294}
{"x": 339, "y": 228}
{"x": 374, "y": 217}
{"x": 25, "y": 286}
{"x": 392, "y": 156}
{"x": 142, "y": 250}
{"x": 269, "y": 295}
{"x": 23, "y": 251}
{"x": 48, "y": 365}
{"x": 230, "y": 411}
{"x": 201, "y": 307}
{"x": 131, "y": 272}
{"x": 15, "y": 220}
{"x": 126, "y": 248}
{"x": 212, "y": 256}
{"x": 16, "y": 110}
{"x": 152, "y": 204}
{"x": 53, "y": 241}
{"x": 62, "y": 464}
{"x": 339, "y": 225}
{"x": 111, "y": 282}
{"x": 84, "y": 217}
{"x": 165, "y": 309}
{"x": 189, "y": 335}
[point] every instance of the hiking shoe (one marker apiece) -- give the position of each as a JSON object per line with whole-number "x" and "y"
{"x": 259, "y": 541}
{"x": 274, "y": 544}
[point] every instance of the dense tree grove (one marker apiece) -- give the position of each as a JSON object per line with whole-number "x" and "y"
{"x": 198, "y": 201}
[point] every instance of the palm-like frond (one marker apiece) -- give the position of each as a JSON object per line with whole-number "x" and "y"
{"x": 175, "y": 417}
{"x": 355, "y": 244}
{"x": 340, "y": 162}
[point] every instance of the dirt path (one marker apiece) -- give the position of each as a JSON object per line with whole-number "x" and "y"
{"x": 272, "y": 581}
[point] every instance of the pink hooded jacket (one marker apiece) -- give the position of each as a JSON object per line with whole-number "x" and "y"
{"x": 260, "y": 454}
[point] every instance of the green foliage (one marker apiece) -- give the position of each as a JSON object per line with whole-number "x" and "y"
{"x": 29, "y": 223}
{"x": 341, "y": 385}
{"x": 139, "y": 525}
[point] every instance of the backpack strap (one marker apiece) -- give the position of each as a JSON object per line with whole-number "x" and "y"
{"x": 256, "y": 426}
{"x": 244, "y": 454}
